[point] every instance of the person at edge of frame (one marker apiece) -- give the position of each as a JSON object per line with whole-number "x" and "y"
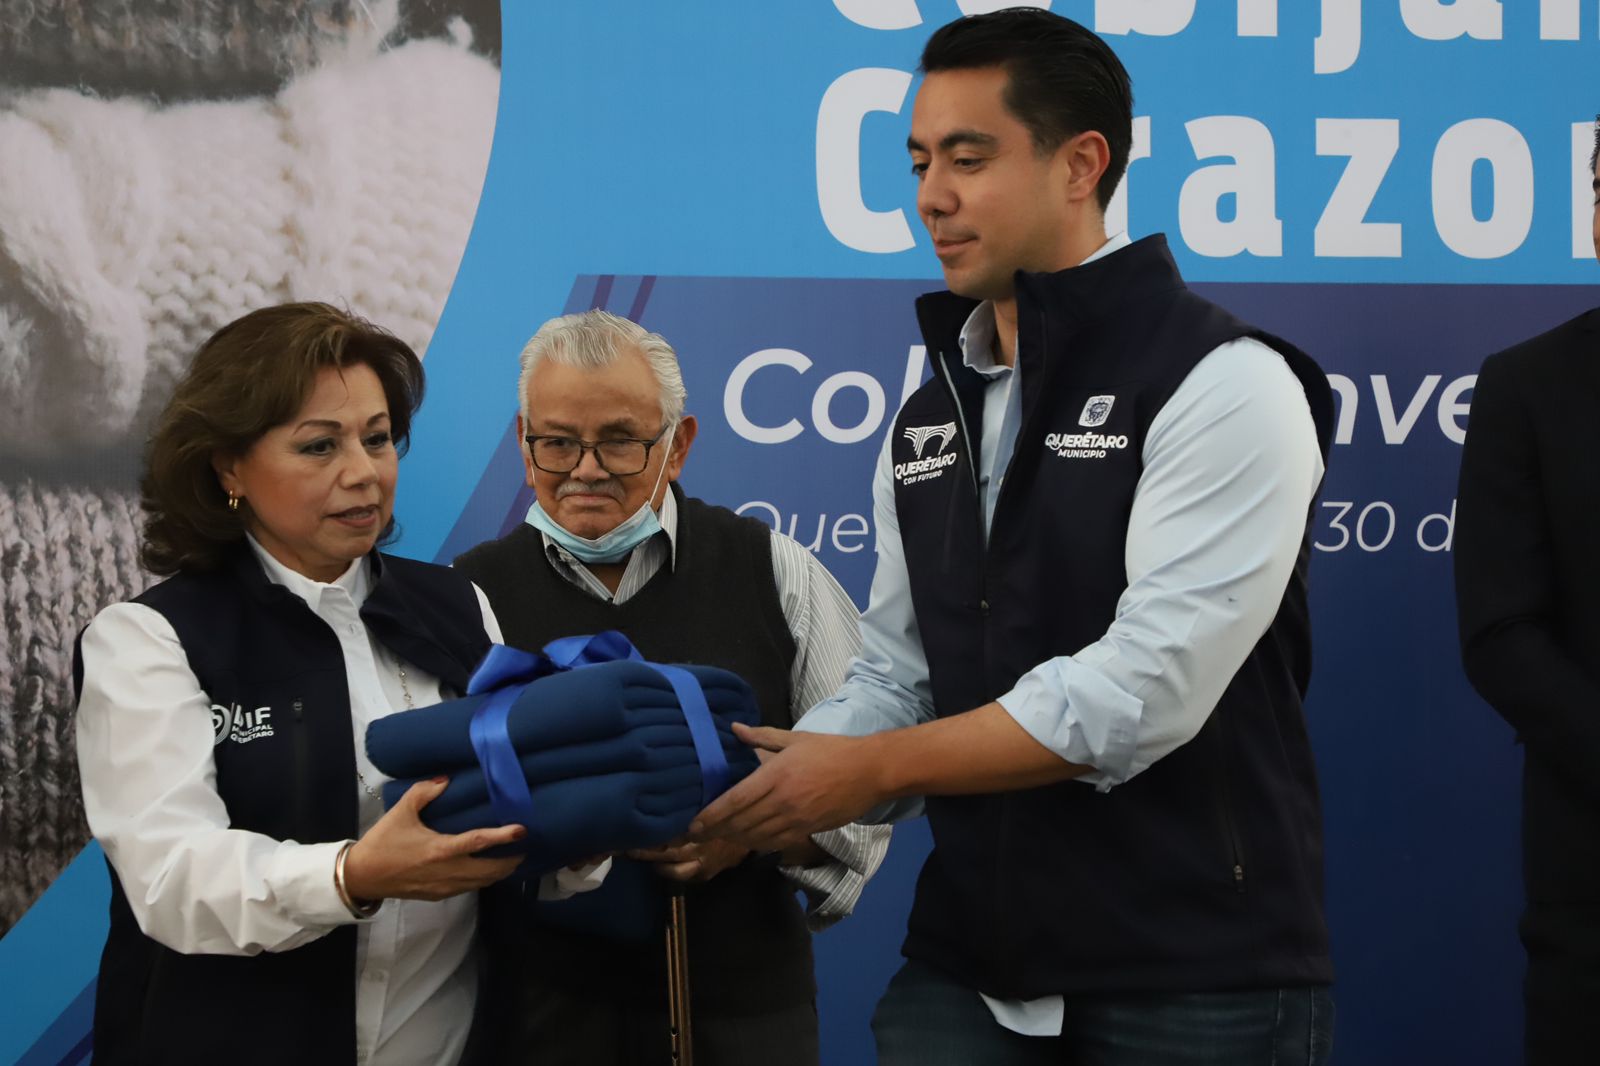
{"x": 612, "y": 542}
{"x": 1527, "y": 581}
{"x": 1088, "y": 642}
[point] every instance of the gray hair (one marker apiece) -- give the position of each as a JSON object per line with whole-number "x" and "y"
{"x": 596, "y": 339}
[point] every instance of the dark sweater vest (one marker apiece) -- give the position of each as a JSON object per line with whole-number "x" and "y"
{"x": 252, "y": 645}
{"x": 1204, "y": 872}
{"x": 717, "y": 605}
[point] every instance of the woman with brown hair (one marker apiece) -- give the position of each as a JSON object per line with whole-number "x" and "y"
{"x": 264, "y": 906}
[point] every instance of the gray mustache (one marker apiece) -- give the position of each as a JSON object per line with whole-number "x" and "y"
{"x": 602, "y": 488}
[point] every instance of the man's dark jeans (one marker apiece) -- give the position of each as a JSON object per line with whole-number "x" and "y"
{"x": 926, "y": 1019}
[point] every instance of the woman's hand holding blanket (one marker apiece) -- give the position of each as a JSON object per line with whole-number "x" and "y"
{"x": 400, "y": 858}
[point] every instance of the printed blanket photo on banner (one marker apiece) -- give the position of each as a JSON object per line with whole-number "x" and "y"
{"x": 590, "y": 748}
{"x": 169, "y": 167}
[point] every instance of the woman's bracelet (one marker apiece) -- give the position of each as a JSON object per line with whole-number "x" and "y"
{"x": 363, "y": 909}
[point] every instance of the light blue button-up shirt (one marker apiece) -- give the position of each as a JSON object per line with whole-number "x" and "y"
{"x": 1230, "y": 467}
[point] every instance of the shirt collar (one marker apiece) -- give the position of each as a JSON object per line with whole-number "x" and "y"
{"x": 977, "y": 335}
{"x": 355, "y": 582}
{"x": 667, "y": 515}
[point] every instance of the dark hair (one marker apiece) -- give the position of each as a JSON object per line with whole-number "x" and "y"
{"x": 251, "y": 375}
{"x": 1063, "y": 80}
{"x": 1594, "y": 156}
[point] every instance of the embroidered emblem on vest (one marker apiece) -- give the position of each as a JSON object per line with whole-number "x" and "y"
{"x": 1096, "y": 410}
{"x": 239, "y": 725}
{"x": 919, "y": 436}
{"x": 920, "y": 469}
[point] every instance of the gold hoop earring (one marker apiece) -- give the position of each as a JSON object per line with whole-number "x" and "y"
{"x": 233, "y": 502}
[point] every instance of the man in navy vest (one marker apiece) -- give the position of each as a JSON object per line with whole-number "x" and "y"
{"x": 1088, "y": 638}
{"x": 1528, "y": 603}
{"x": 611, "y": 542}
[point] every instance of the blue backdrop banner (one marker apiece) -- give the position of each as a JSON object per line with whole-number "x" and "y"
{"x": 1399, "y": 187}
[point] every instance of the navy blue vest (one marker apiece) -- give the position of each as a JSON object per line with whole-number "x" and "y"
{"x": 290, "y": 774}
{"x": 1202, "y": 872}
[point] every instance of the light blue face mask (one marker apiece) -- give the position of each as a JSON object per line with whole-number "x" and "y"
{"x": 609, "y": 547}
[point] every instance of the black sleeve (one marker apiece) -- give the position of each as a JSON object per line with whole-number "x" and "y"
{"x": 1507, "y": 587}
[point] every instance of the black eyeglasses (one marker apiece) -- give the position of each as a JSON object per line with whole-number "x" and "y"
{"x": 617, "y": 456}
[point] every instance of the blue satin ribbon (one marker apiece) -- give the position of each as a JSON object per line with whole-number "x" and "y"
{"x": 505, "y": 672}
{"x": 607, "y": 646}
{"x": 702, "y": 731}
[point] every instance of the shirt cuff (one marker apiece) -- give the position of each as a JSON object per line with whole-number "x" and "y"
{"x": 1029, "y": 1017}
{"x": 832, "y": 888}
{"x": 301, "y": 879}
{"x": 1073, "y": 710}
{"x": 566, "y": 882}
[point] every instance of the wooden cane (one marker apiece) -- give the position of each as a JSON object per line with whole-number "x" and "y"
{"x": 678, "y": 1026}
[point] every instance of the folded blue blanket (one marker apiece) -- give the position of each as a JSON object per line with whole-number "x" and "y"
{"x": 605, "y": 750}
{"x": 648, "y": 748}
{"x": 578, "y": 818}
{"x": 575, "y": 707}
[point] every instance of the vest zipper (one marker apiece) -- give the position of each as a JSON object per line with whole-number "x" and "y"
{"x": 1233, "y": 837}
{"x": 1225, "y": 801}
{"x": 302, "y": 755}
{"x": 977, "y": 495}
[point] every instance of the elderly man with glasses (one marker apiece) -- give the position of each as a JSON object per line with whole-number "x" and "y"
{"x": 612, "y": 542}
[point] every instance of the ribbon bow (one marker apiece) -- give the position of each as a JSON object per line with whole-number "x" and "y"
{"x": 505, "y": 672}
